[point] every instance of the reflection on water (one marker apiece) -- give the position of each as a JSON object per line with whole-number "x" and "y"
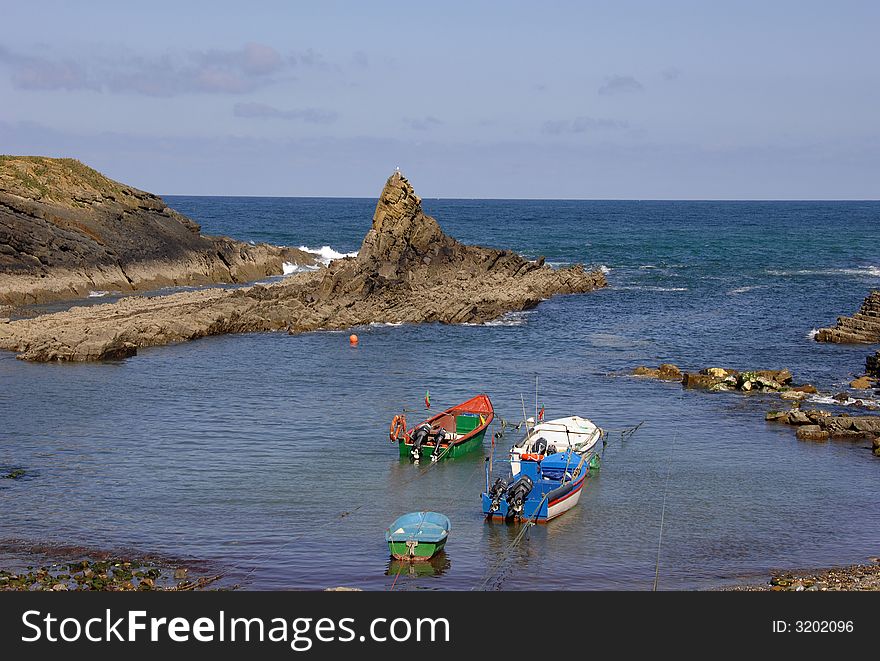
{"x": 403, "y": 571}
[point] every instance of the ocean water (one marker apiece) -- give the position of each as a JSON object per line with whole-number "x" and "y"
{"x": 268, "y": 454}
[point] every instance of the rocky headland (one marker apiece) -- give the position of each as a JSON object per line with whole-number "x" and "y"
{"x": 862, "y": 327}
{"x": 407, "y": 271}
{"x": 66, "y": 230}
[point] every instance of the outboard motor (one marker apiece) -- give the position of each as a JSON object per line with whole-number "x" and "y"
{"x": 496, "y": 493}
{"x": 441, "y": 435}
{"x": 419, "y": 436}
{"x": 517, "y": 494}
{"x": 540, "y": 445}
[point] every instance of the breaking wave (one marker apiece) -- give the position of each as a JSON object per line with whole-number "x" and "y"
{"x": 862, "y": 271}
{"x": 743, "y": 290}
{"x": 98, "y": 294}
{"x": 327, "y": 254}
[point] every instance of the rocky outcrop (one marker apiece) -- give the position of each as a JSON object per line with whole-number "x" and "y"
{"x": 407, "y": 271}
{"x": 720, "y": 379}
{"x": 817, "y": 425}
{"x": 862, "y": 327}
{"x": 65, "y": 230}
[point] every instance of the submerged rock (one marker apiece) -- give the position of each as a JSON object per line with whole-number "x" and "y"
{"x": 666, "y": 371}
{"x": 407, "y": 271}
{"x": 862, "y": 383}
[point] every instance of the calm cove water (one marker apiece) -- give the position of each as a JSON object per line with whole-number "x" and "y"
{"x": 249, "y": 450}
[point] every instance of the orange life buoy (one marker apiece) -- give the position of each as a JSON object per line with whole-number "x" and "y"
{"x": 532, "y": 457}
{"x": 398, "y": 427}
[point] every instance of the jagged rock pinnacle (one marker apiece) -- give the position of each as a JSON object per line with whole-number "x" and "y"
{"x": 401, "y": 234}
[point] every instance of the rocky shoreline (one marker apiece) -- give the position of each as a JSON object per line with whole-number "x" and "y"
{"x": 836, "y": 579}
{"x": 66, "y": 231}
{"x": 61, "y": 568}
{"x": 811, "y": 425}
{"x": 407, "y": 271}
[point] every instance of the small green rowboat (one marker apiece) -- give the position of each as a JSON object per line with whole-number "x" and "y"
{"x": 452, "y": 433}
{"x": 418, "y": 535}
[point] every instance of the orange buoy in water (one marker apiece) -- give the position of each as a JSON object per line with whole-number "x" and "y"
{"x": 353, "y": 340}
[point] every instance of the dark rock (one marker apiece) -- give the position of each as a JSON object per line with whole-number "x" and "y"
{"x": 872, "y": 365}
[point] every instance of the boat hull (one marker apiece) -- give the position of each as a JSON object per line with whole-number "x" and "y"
{"x": 456, "y": 450}
{"x": 558, "y": 502}
{"x": 420, "y": 552}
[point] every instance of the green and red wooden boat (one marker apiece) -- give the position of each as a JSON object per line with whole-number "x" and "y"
{"x": 452, "y": 433}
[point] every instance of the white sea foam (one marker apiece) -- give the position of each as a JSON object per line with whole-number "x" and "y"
{"x": 743, "y": 290}
{"x": 289, "y": 268}
{"x": 327, "y": 254}
{"x": 812, "y": 334}
{"x": 386, "y": 323}
{"x": 604, "y": 269}
{"x": 863, "y": 271}
{"x": 507, "y": 319}
{"x": 98, "y": 294}
{"x": 826, "y": 399}
{"x": 647, "y": 266}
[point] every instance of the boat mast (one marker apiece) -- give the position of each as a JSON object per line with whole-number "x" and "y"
{"x": 536, "y": 399}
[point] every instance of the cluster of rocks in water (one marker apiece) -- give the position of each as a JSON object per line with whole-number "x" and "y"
{"x": 407, "y": 271}
{"x": 813, "y": 425}
{"x": 819, "y": 425}
{"x": 114, "y": 574}
{"x": 720, "y": 379}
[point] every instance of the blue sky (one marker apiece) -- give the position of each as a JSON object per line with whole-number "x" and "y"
{"x": 631, "y": 100}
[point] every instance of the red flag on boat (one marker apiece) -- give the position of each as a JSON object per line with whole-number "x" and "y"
{"x": 427, "y": 399}
{"x": 541, "y": 413}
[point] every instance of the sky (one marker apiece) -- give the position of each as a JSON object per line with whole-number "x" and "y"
{"x": 477, "y": 99}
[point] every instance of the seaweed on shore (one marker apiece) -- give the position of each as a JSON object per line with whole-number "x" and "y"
{"x": 64, "y": 567}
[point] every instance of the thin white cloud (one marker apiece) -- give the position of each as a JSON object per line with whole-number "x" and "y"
{"x": 621, "y": 85}
{"x": 265, "y": 111}
{"x": 252, "y": 67}
{"x": 582, "y": 124}
{"x": 422, "y": 123}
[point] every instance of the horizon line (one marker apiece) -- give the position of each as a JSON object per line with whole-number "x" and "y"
{"x": 540, "y": 199}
